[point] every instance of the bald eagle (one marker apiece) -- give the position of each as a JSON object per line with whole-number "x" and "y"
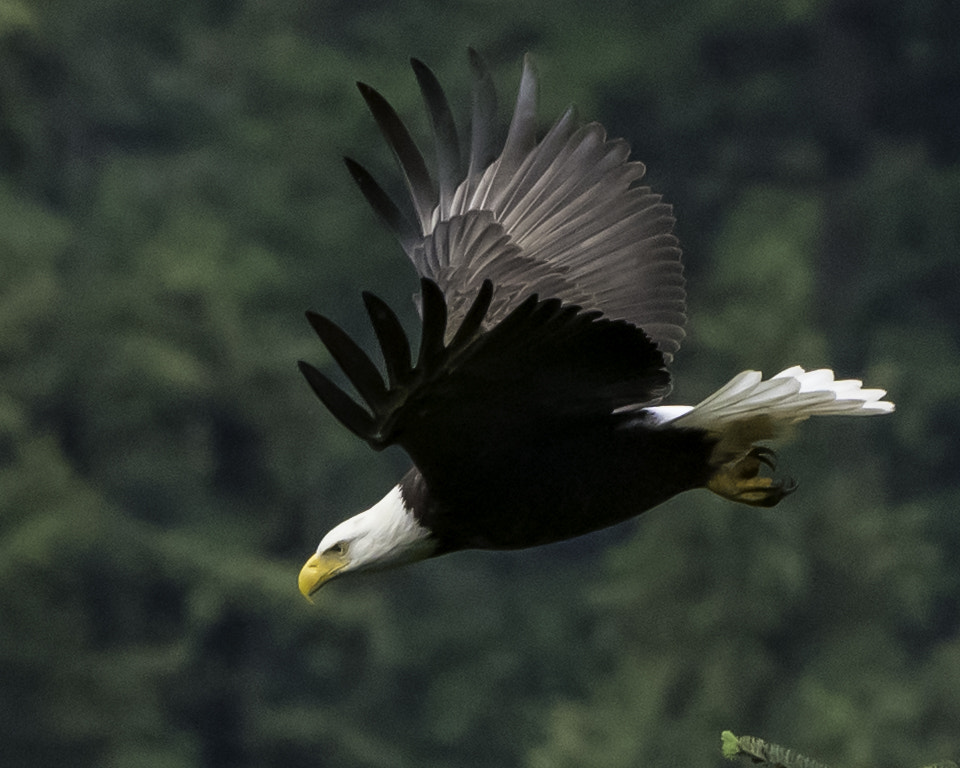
{"x": 551, "y": 303}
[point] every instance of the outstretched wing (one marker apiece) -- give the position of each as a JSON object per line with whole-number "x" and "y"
{"x": 564, "y": 217}
{"x": 544, "y": 368}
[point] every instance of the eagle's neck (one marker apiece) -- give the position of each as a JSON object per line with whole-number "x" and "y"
{"x": 396, "y": 536}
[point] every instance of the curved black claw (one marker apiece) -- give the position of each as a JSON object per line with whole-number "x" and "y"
{"x": 765, "y": 456}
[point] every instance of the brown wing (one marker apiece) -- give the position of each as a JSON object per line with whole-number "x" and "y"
{"x": 564, "y": 217}
{"x": 544, "y": 367}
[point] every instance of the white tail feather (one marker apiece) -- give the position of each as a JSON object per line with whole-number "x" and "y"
{"x": 787, "y": 398}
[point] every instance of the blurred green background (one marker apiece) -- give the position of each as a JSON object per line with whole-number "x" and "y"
{"x": 172, "y": 199}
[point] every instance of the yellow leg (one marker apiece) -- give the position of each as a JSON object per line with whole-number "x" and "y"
{"x": 740, "y": 480}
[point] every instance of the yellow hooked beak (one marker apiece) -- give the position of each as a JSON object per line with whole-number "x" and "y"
{"x": 318, "y": 570}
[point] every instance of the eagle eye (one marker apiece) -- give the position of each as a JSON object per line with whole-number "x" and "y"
{"x": 339, "y": 548}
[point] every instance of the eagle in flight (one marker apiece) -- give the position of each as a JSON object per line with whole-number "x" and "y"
{"x": 551, "y": 305}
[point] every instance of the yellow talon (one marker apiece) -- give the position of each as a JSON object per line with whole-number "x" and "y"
{"x": 740, "y": 480}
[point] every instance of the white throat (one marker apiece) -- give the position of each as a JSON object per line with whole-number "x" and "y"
{"x": 383, "y": 536}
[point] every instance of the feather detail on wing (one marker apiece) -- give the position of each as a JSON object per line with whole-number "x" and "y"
{"x": 544, "y": 366}
{"x": 563, "y": 217}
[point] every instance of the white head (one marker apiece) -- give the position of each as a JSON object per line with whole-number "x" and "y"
{"x": 383, "y": 536}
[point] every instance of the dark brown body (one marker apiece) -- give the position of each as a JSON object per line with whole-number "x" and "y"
{"x": 560, "y": 486}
